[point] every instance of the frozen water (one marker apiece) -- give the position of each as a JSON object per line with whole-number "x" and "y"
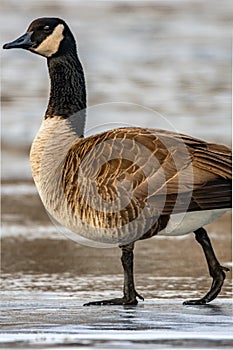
{"x": 55, "y": 319}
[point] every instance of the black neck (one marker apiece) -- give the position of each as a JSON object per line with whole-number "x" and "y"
{"x": 67, "y": 90}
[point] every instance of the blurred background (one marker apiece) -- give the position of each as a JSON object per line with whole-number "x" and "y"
{"x": 171, "y": 56}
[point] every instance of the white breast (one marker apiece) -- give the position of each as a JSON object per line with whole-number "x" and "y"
{"x": 50, "y": 148}
{"x": 47, "y": 156}
{"x": 181, "y": 224}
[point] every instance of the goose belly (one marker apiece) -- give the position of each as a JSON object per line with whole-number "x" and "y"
{"x": 184, "y": 223}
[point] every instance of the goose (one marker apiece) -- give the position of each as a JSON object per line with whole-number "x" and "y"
{"x": 121, "y": 185}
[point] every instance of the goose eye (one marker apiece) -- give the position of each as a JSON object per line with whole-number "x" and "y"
{"x": 46, "y": 28}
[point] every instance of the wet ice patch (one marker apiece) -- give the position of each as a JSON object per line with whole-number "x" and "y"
{"x": 106, "y": 286}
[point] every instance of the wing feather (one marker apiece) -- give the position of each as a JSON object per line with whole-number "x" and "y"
{"x": 162, "y": 171}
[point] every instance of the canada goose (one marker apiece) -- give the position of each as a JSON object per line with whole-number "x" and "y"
{"x": 125, "y": 184}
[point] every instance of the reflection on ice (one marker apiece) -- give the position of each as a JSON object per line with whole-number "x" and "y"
{"x": 59, "y": 319}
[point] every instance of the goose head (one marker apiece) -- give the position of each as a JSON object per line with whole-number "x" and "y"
{"x": 46, "y": 36}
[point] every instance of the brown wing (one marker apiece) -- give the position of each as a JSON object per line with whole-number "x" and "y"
{"x": 210, "y": 174}
{"x": 115, "y": 177}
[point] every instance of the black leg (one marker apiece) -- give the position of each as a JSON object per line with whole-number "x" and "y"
{"x": 129, "y": 293}
{"x": 215, "y": 269}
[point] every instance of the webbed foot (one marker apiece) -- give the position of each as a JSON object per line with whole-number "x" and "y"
{"x": 218, "y": 279}
{"x": 116, "y": 301}
{"x": 215, "y": 269}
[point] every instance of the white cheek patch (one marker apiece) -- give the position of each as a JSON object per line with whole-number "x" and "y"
{"x": 51, "y": 44}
